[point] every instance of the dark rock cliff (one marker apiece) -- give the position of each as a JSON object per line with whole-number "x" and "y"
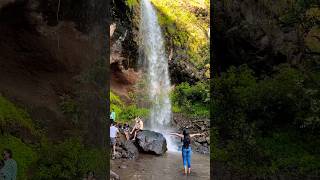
{"x": 53, "y": 54}
{"x": 124, "y": 47}
{"x": 266, "y": 33}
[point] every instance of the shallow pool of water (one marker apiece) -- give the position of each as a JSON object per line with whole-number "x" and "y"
{"x": 166, "y": 167}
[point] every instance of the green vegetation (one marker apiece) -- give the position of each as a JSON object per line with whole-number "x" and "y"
{"x": 266, "y": 122}
{"x": 68, "y": 160}
{"x": 290, "y": 153}
{"x": 186, "y": 25}
{"x": 70, "y": 109}
{"x": 192, "y": 99}
{"x": 268, "y": 125}
{"x": 305, "y": 13}
{"x": 132, "y": 111}
{"x": 24, "y": 154}
{"x": 12, "y": 117}
{"x": 131, "y": 3}
{"x": 125, "y": 113}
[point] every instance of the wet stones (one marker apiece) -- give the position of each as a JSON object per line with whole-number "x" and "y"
{"x": 125, "y": 149}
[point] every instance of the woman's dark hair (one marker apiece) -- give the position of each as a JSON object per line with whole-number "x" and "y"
{"x": 186, "y": 138}
{"x": 8, "y": 151}
{"x": 185, "y": 132}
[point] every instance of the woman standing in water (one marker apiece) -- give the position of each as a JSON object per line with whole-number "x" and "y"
{"x": 186, "y": 148}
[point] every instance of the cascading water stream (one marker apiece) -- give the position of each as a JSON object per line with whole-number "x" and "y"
{"x": 156, "y": 63}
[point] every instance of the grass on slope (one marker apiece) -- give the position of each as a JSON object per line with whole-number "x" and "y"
{"x": 24, "y": 155}
{"x": 124, "y": 112}
{"x": 187, "y": 24}
{"x": 14, "y": 117}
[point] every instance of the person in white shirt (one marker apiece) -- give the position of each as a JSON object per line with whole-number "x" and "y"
{"x": 113, "y": 135}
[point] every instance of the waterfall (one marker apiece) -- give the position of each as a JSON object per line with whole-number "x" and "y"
{"x": 155, "y": 62}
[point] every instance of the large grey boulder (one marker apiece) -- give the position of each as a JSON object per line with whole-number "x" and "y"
{"x": 126, "y": 148}
{"x": 151, "y": 142}
{"x": 130, "y": 150}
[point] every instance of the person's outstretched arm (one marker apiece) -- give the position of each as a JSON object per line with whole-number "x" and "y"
{"x": 134, "y": 127}
{"x": 176, "y": 134}
{"x": 197, "y": 134}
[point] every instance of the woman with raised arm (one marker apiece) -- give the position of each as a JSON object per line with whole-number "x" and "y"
{"x": 186, "y": 148}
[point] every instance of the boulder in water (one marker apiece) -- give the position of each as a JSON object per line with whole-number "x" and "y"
{"x": 151, "y": 142}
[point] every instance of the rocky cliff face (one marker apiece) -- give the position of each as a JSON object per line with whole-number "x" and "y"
{"x": 53, "y": 56}
{"x": 266, "y": 33}
{"x": 125, "y": 50}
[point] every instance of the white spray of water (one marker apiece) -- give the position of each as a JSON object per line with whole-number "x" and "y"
{"x": 156, "y": 62}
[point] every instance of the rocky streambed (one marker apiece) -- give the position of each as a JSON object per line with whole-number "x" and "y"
{"x": 147, "y": 156}
{"x": 166, "y": 167}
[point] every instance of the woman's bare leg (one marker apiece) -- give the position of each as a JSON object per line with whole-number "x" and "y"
{"x": 189, "y": 170}
{"x": 127, "y": 135}
{"x": 135, "y": 134}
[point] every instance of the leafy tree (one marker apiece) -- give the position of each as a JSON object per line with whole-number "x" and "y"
{"x": 273, "y": 120}
{"x": 67, "y": 160}
{"x": 192, "y": 99}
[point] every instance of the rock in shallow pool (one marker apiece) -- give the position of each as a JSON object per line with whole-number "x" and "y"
{"x": 151, "y": 142}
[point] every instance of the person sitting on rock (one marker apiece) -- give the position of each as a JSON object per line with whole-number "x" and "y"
{"x": 186, "y": 148}
{"x": 126, "y": 130}
{"x": 137, "y": 127}
{"x": 113, "y": 135}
